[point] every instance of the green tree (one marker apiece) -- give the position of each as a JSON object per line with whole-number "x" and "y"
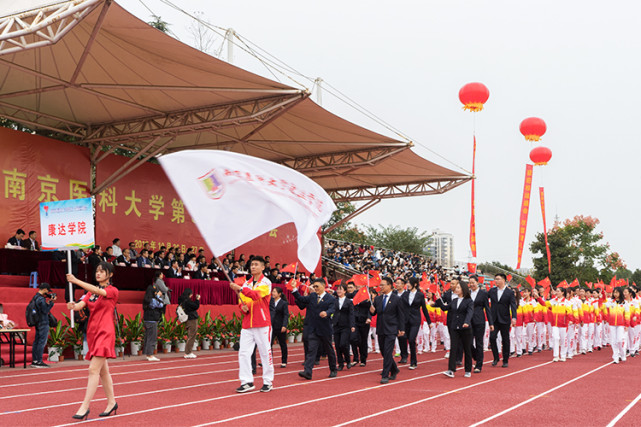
{"x": 347, "y": 231}
{"x": 576, "y": 251}
{"x": 159, "y": 24}
{"x": 636, "y": 277}
{"x": 399, "y": 239}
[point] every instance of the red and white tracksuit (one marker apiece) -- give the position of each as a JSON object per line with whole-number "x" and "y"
{"x": 618, "y": 316}
{"x": 560, "y": 314}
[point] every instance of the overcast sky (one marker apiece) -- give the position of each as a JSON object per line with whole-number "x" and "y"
{"x": 575, "y": 64}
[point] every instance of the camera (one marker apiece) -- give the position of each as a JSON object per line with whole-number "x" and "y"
{"x": 51, "y": 295}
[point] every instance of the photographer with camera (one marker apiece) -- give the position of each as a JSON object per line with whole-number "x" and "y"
{"x": 43, "y": 302}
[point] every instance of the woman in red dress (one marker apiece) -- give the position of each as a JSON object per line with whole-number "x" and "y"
{"x": 101, "y": 335}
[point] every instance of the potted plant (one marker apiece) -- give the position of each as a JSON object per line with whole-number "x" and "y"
{"x": 234, "y": 326}
{"x": 218, "y": 330}
{"x": 166, "y": 333}
{"x": 180, "y": 337}
{"x": 120, "y": 336}
{"x": 291, "y": 329}
{"x": 299, "y": 321}
{"x": 134, "y": 332}
{"x": 205, "y": 328}
{"x": 75, "y": 337}
{"x": 57, "y": 342}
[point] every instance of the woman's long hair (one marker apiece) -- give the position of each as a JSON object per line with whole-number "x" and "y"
{"x": 187, "y": 293}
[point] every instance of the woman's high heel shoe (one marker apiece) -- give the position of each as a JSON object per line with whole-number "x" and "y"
{"x": 81, "y": 417}
{"x": 106, "y": 414}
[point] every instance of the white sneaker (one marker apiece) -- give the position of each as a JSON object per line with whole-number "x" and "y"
{"x": 556, "y": 359}
{"x": 447, "y": 354}
{"x": 190, "y": 356}
{"x": 433, "y": 350}
{"x": 563, "y": 359}
{"x": 420, "y": 352}
{"x": 152, "y": 359}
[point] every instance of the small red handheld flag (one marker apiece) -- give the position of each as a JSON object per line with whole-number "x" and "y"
{"x": 361, "y": 295}
{"x": 240, "y": 280}
{"x": 289, "y": 268}
{"x": 291, "y": 284}
{"x": 530, "y": 280}
{"x": 360, "y": 280}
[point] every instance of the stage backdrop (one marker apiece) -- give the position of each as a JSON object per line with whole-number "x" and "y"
{"x": 37, "y": 169}
{"x": 144, "y": 207}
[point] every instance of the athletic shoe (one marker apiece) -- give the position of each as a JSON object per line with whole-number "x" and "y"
{"x": 447, "y": 354}
{"x": 556, "y": 359}
{"x": 36, "y": 365}
{"x": 377, "y": 351}
{"x": 363, "y": 364}
{"x": 433, "y": 350}
{"x": 266, "y": 387}
{"x": 477, "y": 370}
{"x": 351, "y": 365}
{"x": 190, "y": 356}
{"x": 529, "y": 353}
{"x": 245, "y": 388}
{"x": 616, "y": 361}
{"x": 397, "y": 354}
{"x": 420, "y": 352}
{"x": 449, "y": 374}
{"x": 570, "y": 357}
{"x": 563, "y": 359}
{"x": 42, "y": 364}
{"x": 384, "y": 380}
{"x": 412, "y": 367}
{"x": 283, "y": 365}
{"x": 467, "y": 375}
{"x": 152, "y": 359}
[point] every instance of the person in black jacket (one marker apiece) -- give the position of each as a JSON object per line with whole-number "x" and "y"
{"x": 362, "y": 319}
{"x": 320, "y": 307}
{"x": 503, "y": 311}
{"x": 414, "y": 301}
{"x": 343, "y": 324}
{"x": 43, "y": 307}
{"x": 153, "y": 308}
{"x": 481, "y": 312}
{"x": 279, "y": 312}
{"x": 399, "y": 285}
{"x": 190, "y": 308}
{"x": 459, "y": 317}
{"x": 390, "y": 320}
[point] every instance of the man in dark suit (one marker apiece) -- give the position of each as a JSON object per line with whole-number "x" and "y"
{"x": 390, "y": 319}
{"x": 31, "y": 244}
{"x": 414, "y": 303}
{"x": 503, "y": 316}
{"x": 481, "y": 311}
{"x": 320, "y": 307}
{"x": 17, "y": 239}
{"x": 202, "y": 273}
{"x": 173, "y": 272}
{"x": 399, "y": 285}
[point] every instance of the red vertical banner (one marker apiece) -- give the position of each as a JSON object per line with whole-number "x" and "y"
{"x": 545, "y": 228}
{"x": 525, "y": 208}
{"x": 473, "y": 216}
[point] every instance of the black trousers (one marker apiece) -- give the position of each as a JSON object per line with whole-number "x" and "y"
{"x": 478, "y": 333}
{"x": 314, "y": 344}
{"x": 504, "y": 329}
{"x": 359, "y": 342}
{"x": 411, "y": 332}
{"x": 282, "y": 342}
{"x": 460, "y": 338}
{"x": 402, "y": 343}
{"x": 387, "y": 343}
{"x": 341, "y": 342}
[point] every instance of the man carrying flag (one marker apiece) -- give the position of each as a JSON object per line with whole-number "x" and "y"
{"x": 362, "y": 302}
{"x": 254, "y": 297}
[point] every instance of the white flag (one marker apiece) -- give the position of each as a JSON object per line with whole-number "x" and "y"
{"x": 234, "y": 198}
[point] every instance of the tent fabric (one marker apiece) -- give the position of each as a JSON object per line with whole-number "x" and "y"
{"x": 113, "y": 80}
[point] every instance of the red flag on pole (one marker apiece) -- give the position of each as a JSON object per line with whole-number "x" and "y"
{"x": 240, "y": 280}
{"x": 509, "y": 277}
{"x": 563, "y": 284}
{"x": 574, "y": 283}
{"x": 545, "y": 229}
{"x": 546, "y": 283}
{"x": 361, "y": 295}
{"x": 290, "y": 285}
{"x": 481, "y": 279}
{"x": 289, "y": 268}
{"x": 530, "y": 280}
{"x": 471, "y": 267}
{"x": 360, "y": 280}
{"x": 336, "y": 283}
{"x": 375, "y": 278}
{"x": 525, "y": 208}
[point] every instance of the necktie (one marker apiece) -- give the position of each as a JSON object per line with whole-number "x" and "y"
{"x": 384, "y": 302}
{"x": 319, "y": 300}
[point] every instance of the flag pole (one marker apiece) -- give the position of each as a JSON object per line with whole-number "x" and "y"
{"x": 71, "y": 296}
{"x": 220, "y": 264}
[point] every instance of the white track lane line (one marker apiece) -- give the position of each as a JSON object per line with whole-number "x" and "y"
{"x": 625, "y": 411}
{"x": 367, "y": 389}
{"x": 538, "y": 396}
{"x": 407, "y": 405}
{"x": 229, "y": 396}
{"x": 49, "y": 392}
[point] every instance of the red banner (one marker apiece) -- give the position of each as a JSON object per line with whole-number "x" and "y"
{"x": 545, "y": 228}
{"x": 525, "y": 208}
{"x": 143, "y": 207}
{"x": 37, "y": 169}
{"x": 473, "y": 216}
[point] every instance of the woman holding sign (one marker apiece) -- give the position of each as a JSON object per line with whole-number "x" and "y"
{"x": 101, "y": 335}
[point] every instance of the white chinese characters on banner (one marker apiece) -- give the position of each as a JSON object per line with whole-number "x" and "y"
{"x": 234, "y": 198}
{"x": 67, "y": 224}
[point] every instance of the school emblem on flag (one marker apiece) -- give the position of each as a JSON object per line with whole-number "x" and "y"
{"x": 212, "y": 185}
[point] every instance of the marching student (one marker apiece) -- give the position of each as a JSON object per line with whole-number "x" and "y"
{"x": 254, "y": 298}
{"x": 618, "y": 318}
{"x": 479, "y": 318}
{"x": 587, "y": 322}
{"x": 503, "y": 311}
{"x": 560, "y": 315}
{"x": 540, "y": 316}
{"x": 517, "y": 333}
{"x": 431, "y": 327}
{"x": 632, "y": 307}
{"x": 344, "y": 325}
{"x": 528, "y": 320}
{"x": 372, "y": 328}
{"x": 598, "y": 321}
{"x": 414, "y": 302}
{"x": 362, "y": 318}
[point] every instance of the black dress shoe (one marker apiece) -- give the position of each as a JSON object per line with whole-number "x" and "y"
{"x": 363, "y": 364}
{"x": 332, "y": 374}
{"x": 106, "y": 414}
{"x": 495, "y": 362}
{"x": 384, "y": 380}
{"x": 305, "y": 375}
{"x": 504, "y": 365}
{"x": 349, "y": 366}
{"x": 459, "y": 363}
{"x": 403, "y": 361}
{"x": 81, "y": 417}
{"x": 393, "y": 376}
{"x": 253, "y": 371}
{"x": 317, "y": 363}
{"x": 340, "y": 368}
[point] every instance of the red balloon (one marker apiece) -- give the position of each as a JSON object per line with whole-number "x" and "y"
{"x": 533, "y": 128}
{"x": 540, "y": 155}
{"x": 473, "y": 96}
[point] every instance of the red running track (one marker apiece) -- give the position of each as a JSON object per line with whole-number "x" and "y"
{"x": 587, "y": 390}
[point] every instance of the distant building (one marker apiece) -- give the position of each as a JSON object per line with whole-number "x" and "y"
{"x": 441, "y": 248}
